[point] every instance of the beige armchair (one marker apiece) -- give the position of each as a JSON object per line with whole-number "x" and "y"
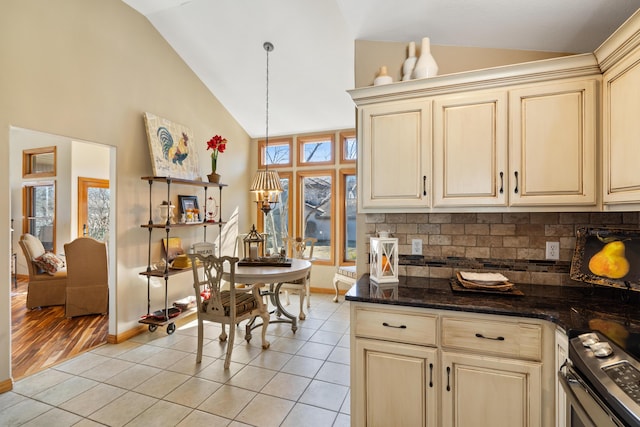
{"x": 44, "y": 289}
{"x": 87, "y": 277}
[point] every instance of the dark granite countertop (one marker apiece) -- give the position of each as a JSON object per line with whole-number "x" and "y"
{"x": 572, "y": 308}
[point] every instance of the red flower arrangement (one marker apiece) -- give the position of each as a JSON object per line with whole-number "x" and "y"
{"x": 218, "y": 144}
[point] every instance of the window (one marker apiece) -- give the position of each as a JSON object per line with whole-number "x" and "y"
{"x": 277, "y": 155}
{"x": 316, "y": 150}
{"x": 348, "y": 147}
{"x": 40, "y": 212}
{"x": 93, "y": 208}
{"x": 315, "y": 211}
{"x": 348, "y": 200}
{"x": 279, "y": 222}
{"x": 39, "y": 162}
{"x": 319, "y": 197}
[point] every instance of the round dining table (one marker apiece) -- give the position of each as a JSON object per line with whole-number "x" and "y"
{"x": 273, "y": 276}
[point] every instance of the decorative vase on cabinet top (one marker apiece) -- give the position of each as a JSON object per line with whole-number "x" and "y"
{"x": 383, "y": 78}
{"x": 409, "y": 63}
{"x": 426, "y": 65}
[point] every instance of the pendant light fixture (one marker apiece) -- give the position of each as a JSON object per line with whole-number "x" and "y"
{"x": 266, "y": 185}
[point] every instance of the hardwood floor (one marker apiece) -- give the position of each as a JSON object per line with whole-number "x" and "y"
{"x": 44, "y": 337}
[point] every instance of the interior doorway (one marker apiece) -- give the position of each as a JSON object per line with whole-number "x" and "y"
{"x": 83, "y": 167}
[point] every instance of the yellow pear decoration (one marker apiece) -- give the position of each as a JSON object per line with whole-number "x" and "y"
{"x": 610, "y": 261}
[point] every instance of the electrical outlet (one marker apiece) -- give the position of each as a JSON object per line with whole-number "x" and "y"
{"x": 553, "y": 250}
{"x": 416, "y": 246}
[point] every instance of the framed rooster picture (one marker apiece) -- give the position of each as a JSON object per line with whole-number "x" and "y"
{"x": 172, "y": 149}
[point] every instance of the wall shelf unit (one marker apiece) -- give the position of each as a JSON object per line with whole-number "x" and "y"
{"x": 165, "y": 316}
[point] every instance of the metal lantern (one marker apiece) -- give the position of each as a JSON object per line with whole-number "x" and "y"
{"x": 383, "y": 259}
{"x": 253, "y": 245}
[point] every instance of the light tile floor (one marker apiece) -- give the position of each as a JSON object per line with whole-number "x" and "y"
{"x": 153, "y": 380}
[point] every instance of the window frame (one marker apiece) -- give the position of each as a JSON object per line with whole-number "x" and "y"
{"x": 27, "y": 162}
{"x": 302, "y": 140}
{"x": 343, "y": 147}
{"x": 342, "y": 234}
{"x": 27, "y": 207}
{"x": 300, "y": 176}
{"x": 83, "y": 189}
{"x": 273, "y": 142}
{"x": 260, "y": 219}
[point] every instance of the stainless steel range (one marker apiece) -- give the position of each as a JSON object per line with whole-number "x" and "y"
{"x": 602, "y": 381}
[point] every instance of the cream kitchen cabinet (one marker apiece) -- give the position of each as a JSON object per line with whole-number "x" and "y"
{"x": 393, "y": 367}
{"x": 470, "y": 149}
{"x": 417, "y": 366}
{"x": 562, "y": 354}
{"x": 397, "y": 384}
{"x": 394, "y": 156}
{"x": 552, "y": 143}
{"x": 621, "y": 131}
{"x": 487, "y": 391}
{"x": 491, "y": 373}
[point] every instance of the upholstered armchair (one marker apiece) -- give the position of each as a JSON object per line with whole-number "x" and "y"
{"x": 47, "y": 285}
{"x": 87, "y": 277}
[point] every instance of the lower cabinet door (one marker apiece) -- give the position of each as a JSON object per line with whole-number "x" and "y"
{"x": 393, "y": 384}
{"x": 490, "y": 391}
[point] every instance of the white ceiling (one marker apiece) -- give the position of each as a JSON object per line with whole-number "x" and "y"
{"x": 311, "y": 66}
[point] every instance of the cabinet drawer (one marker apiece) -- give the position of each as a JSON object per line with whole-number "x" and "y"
{"x": 521, "y": 340}
{"x": 395, "y": 325}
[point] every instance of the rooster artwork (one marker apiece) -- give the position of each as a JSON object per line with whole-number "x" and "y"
{"x": 170, "y": 149}
{"x": 172, "y": 152}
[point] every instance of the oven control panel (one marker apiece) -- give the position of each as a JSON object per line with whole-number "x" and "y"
{"x": 627, "y": 377}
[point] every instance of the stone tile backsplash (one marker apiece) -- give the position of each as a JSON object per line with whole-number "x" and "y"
{"x": 510, "y": 243}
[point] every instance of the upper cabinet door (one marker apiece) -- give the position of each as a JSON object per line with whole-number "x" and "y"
{"x": 394, "y": 158}
{"x": 552, "y": 146}
{"x": 470, "y": 150}
{"x": 621, "y": 131}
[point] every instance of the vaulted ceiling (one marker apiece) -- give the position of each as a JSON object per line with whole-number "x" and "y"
{"x": 312, "y": 64}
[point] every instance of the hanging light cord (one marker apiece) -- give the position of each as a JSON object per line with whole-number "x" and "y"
{"x": 268, "y": 46}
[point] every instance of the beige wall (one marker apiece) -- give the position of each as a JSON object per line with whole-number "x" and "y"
{"x": 371, "y": 55}
{"x": 88, "y": 69}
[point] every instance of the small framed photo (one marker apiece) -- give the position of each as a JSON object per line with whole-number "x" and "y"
{"x": 189, "y": 209}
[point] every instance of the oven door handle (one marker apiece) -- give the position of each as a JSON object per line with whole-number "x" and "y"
{"x": 570, "y": 381}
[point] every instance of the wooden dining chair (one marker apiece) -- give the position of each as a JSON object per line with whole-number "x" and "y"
{"x": 300, "y": 248}
{"x": 225, "y": 306}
